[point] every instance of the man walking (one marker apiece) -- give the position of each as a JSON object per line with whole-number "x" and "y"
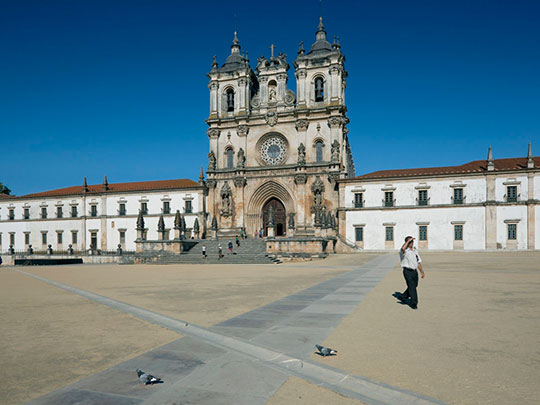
{"x": 410, "y": 262}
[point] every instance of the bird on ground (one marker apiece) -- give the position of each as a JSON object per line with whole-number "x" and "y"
{"x": 325, "y": 351}
{"x": 147, "y": 378}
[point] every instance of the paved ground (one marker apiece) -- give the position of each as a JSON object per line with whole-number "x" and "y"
{"x": 475, "y": 337}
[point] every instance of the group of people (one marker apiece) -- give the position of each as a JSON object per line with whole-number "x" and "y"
{"x": 259, "y": 234}
{"x": 220, "y": 248}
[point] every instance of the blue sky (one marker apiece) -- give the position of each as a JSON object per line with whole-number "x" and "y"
{"x": 119, "y": 88}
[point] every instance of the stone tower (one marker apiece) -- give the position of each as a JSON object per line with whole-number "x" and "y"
{"x": 275, "y": 156}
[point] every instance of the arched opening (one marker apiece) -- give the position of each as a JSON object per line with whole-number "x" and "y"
{"x": 319, "y": 151}
{"x": 272, "y": 92}
{"x": 277, "y": 209}
{"x": 230, "y": 158}
{"x": 230, "y": 100}
{"x": 319, "y": 89}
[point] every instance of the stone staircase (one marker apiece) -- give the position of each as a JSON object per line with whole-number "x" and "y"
{"x": 251, "y": 251}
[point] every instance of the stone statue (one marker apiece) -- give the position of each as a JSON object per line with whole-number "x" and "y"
{"x": 301, "y": 154}
{"x": 272, "y": 95}
{"x": 226, "y": 206}
{"x": 241, "y": 159}
{"x": 177, "y": 220}
{"x": 335, "y": 151}
{"x": 211, "y": 161}
{"x": 271, "y": 216}
{"x": 291, "y": 220}
{"x": 214, "y": 224}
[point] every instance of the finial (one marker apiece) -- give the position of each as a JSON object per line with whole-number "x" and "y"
{"x": 105, "y": 184}
{"x": 530, "y": 160}
{"x": 321, "y": 25}
{"x": 301, "y": 49}
{"x": 336, "y": 44}
{"x": 235, "y": 40}
{"x": 490, "y": 165}
{"x": 85, "y": 186}
{"x": 321, "y": 33}
{"x": 214, "y": 62}
{"x": 272, "y": 46}
{"x": 201, "y": 176}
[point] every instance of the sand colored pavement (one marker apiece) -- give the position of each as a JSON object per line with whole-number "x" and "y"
{"x": 51, "y": 338}
{"x": 474, "y": 339}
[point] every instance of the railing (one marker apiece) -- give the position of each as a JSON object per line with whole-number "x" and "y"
{"x": 389, "y": 203}
{"x": 458, "y": 201}
{"x": 512, "y": 198}
{"x": 359, "y": 204}
{"x": 422, "y": 201}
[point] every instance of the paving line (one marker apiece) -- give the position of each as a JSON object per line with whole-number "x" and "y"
{"x": 339, "y": 381}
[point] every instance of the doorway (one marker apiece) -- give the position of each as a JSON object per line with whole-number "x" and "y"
{"x": 279, "y": 216}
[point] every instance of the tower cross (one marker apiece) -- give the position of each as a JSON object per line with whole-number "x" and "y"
{"x": 272, "y": 50}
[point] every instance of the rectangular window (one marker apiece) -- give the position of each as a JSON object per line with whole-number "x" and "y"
{"x": 512, "y": 231}
{"x": 12, "y": 238}
{"x": 188, "y": 208}
{"x": 422, "y": 232}
{"x": 59, "y": 238}
{"x": 458, "y": 232}
{"x": 26, "y": 213}
{"x": 388, "y": 198}
{"x": 74, "y": 212}
{"x": 144, "y": 208}
{"x": 74, "y": 237}
{"x": 11, "y": 214}
{"x": 458, "y": 197}
{"x": 422, "y": 197}
{"x": 122, "y": 237}
{"x": 511, "y": 194}
{"x": 93, "y": 210}
{"x": 122, "y": 209}
{"x": 59, "y": 212}
{"x": 359, "y": 234}
{"x": 166, "y": 207}
{"x": 389, "y": 233}
{"x": 27, "y": 238}
{"x": 358, "y": 200}
{"x": 43, "y": 212}
{"x": 43, "y": 238}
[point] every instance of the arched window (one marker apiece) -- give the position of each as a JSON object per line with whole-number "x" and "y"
{"x": 230, "y": 159}
{"x": 230, "y": 100}
{"x": 319, "y": 151}
{"x": 319, "y": 89}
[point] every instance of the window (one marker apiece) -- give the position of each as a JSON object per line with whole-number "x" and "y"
{"x": 122, "y": 209}
{"x": 93, "y": 240}
{"x": 59, "y": 213}
{"x": 512, "y": 231}
{"x": 458, "y": 197}
{"x": 12, "y": 238}
{"x": 319, "y": 151}
{"x": 43, "y": 238}
{"x": 122, "y": 237}
{"x": 74, "y": 213}
{"x": 422, "y": 232}
{"x": 389, "y": 199}
{"x": 43, "y": 212}
{"x": 27, "y": 238}
{"x": 230, "y": 100}
{"x": 59, "y": 238}
{"x": 166, "y": 207}
{"x": 359, "y": 234}
{"x": 11, "y": 214}
{"x": 188, "y": 207}
{"x": 422, "y": 197}
{"x": 26, "y": 214}
{"x": 389, "y": 233}
{"x": 73, "y": 237}
{"x": 93, "y": 210}
{"x": 458, "y": 232}
{"x": 358, "y": 200}
{"x": 511, "y": 194}
{"x": 319, "y": 89}
{"x": 144, "y": 208}
{"x": 230, "y": 158}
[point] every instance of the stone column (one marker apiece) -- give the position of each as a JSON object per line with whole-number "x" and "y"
{"x": 213, "y": 86}
{"x": 301, "y": 88}
{"x": 491, "y": 213}
{"x": 531, "y": 206}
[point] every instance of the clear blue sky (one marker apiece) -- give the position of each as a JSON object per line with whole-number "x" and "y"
{"x": 119, "y": 88}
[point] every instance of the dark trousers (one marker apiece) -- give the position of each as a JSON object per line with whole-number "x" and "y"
{"x": 411, "y": 278}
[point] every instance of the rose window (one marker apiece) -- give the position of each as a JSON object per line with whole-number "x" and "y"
{"x": 273, "y": 151}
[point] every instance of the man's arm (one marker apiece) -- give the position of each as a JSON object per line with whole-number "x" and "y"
{"x": 421, "y": 269}
{"x": 406, "y": 245}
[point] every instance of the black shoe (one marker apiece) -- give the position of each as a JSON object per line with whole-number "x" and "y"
{"x": 413, "y": 305}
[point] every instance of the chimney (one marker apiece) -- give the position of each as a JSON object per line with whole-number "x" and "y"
{"x": 105, "y": 184}
{"x": 85, "y": 186}
{"x": 490, "y": 165}
{"x": 530, "y": 160}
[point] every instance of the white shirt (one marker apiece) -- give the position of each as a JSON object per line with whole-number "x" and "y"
{"x": 410, "y": 258}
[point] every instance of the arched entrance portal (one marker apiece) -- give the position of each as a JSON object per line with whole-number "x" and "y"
{"x": 279, "y": 214}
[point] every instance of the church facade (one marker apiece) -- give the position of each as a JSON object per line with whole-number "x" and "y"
{"x": 280, "y": 164}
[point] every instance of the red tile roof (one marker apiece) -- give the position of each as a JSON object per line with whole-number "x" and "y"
{"x": 478, "y": 166}
{"x": 2, "y": 195}
{"x": 118, "y": 187}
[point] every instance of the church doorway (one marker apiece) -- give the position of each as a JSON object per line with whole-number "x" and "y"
{"x": 278, "y": 209}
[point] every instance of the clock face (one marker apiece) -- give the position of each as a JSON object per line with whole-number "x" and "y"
{"x": 273, "y": 151}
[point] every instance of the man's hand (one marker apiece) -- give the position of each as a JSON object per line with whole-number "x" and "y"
{"x": 422, "y": 273}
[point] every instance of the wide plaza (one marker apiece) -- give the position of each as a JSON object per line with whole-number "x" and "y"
{"x": 474, "y": 338}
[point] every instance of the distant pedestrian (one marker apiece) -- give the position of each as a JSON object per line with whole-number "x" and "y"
{"x": 260, "y": 233}
{"x": 204, "y": 251}
{"x": 410, "y": 262}
{"x": 220, "y": 251}
{"x": 230, "y": 247}
{"x": 237, "y": 242}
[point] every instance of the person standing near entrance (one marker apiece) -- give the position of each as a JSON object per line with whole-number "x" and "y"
{"x": 410, "y": 262}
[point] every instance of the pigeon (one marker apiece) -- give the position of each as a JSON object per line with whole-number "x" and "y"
{"x": 147, "y": 378}
{"x": 325, "y": 351}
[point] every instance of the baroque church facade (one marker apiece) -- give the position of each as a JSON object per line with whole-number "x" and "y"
{"x": 275, "y": 156}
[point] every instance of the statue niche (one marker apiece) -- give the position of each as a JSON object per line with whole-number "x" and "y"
{"x": 226, "y": 200}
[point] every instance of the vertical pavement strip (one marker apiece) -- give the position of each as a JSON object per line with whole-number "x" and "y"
{"x": 357, "y": 387}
